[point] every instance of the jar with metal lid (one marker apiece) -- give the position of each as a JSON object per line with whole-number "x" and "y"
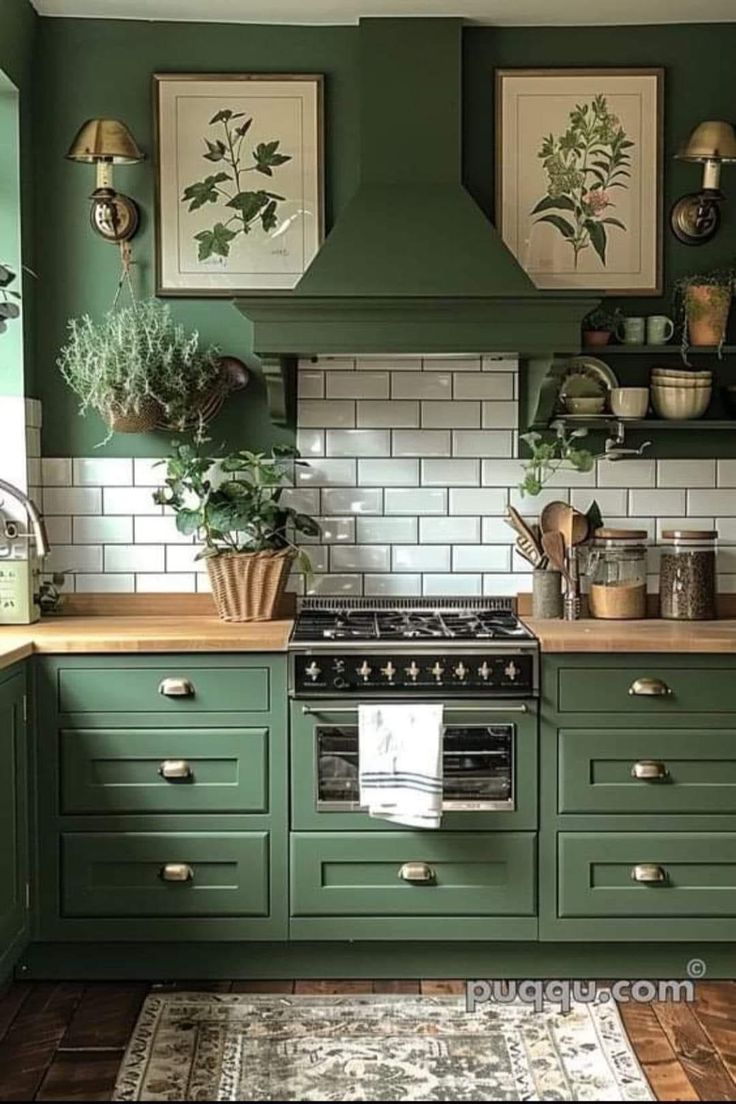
{"x": 687, "y": 575}
{"x": 617, "y": 574}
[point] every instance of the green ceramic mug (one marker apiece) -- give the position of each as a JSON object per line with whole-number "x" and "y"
{"x": 631, "y": 331}
{"x": 660, "y": 329}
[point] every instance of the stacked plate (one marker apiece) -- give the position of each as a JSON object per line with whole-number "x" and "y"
{"x": 679, "y": 393}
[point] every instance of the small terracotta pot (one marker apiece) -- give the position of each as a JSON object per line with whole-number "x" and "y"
{"x": 143, "y": 420}
{"x": 596, "y": 337}
{"x": 707, "y": 308}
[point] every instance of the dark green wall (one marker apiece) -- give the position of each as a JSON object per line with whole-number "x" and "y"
{"x": 18, "y": 30}
{"x": 90, "y": 67}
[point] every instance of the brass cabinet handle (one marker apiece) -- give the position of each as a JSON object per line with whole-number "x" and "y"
{"x": 176, "y": 688}
{"x": 649, "y": 770}
{"x": 417, "y": 873}
{"x": 176, "y": 872}
{"x": 175, "y": 770}
{"x": 649, "y": 688}
{"x": 648, "y": 873}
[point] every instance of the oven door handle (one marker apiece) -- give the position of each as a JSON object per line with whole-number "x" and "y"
{"x": 310, "y": 711}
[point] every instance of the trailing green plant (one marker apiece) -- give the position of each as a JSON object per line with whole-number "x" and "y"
{"x": 241, "y": 512}
{"x": 549, "y": 455}
{"x": 722, "y": 281}
{"x": 601, "y": 318}
{"x": 8, "y": 309}
{"x": 244, "y": 209}
{"x": 135, "y": 355}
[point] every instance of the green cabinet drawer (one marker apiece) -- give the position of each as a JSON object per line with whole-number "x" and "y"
{"x": 139, "y": 689}
{"x": 193, "y": 770}
{"x": 357, "y": 874}
{"x": 698, "y": 874}
{"x": 124, "y": 874}
{"x": 645, "y": 770}
{"x": 621, "y": 690}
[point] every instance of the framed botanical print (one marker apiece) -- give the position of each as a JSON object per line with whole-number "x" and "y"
{"x": 579, "y": 176}
{"x": 239, "y": 175}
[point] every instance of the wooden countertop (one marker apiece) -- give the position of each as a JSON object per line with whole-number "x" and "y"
{"x": 635, "y": 636}
{"x": 111, "y": 634}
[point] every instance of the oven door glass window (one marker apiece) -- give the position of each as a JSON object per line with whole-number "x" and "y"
{"x": 478, "y": 767}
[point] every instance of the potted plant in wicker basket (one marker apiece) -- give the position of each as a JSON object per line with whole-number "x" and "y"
{"x": 703, "y": 304}
{"x": 138, "y": 368}
{"x": 247, "y": 531}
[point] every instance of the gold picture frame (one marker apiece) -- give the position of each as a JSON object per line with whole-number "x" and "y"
{"x": 239, "y": 181}
{"x": 579, "y": 176}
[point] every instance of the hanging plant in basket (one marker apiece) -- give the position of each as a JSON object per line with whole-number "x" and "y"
{"x": 139, "y": 369}
{"x": 247, "y": 532}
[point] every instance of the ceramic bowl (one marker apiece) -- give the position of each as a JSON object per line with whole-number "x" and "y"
{"x": 630, "y": 402}
{"x": 691, "y": 385}
{"x": 680, "y": 403}
{"x": 584, "y": 404}
{"x": 679, "y": 375}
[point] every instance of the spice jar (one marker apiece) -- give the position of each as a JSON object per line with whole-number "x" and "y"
{"x": 617, "y": 571}
{"x": 687, "y": 575}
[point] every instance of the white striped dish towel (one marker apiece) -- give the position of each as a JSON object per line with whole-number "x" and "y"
{"x": 401, "y": 762}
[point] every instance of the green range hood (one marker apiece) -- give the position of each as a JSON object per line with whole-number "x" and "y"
{"x": 412, "y": 264}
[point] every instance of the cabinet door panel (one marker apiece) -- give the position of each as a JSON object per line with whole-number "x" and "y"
{"x": 13, "y": 820}
{"x": 140, "y": 689}
{"x": 614, "y": 690}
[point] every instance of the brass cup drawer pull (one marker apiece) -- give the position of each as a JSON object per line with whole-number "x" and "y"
{"x": 648, "y": 874}
{"x": 176, "y": 688}
{"x": 417, "y": 873}
{"x": 650, "y": 688}
{"x": 175, "y": 770}
{"x": 649, "y": 770}
{"x": 176, "y": 872}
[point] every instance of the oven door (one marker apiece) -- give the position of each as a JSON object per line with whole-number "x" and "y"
{"x": 489, "y": 767}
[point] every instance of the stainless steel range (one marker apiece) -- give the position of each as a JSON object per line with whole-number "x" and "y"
{"x": 472, "y": 654}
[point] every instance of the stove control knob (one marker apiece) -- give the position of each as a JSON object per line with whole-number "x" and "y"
{"x": 313, "y": 671}
{"x": 389, "y": 671}
{"x": 413, "y": 671}
{"x": 438, "y": 671}
{"x": 461, "y": 671}
{"x": 484, "y": 671}
{"x": 339, "y": 682}
{"x": 365, "y": 671}
{"x": 511, "y": 671}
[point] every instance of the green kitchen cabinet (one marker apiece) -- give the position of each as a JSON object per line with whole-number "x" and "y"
{"x": 14, "y": 873}
{"x": 163, "y": 808}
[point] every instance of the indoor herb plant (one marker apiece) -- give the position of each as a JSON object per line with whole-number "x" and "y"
{"x": 702, "y": 306}
{"x": 138, "y": 367}
{"x": 8, "y": 309}
{"x": 599, "y": 324}
{"x": 548, "y": 456}
{"x": 247, "y": 531}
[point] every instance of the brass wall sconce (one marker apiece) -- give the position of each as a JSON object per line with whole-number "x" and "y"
{"x": 695, "y": 217}
{"x": 104, "y": 143}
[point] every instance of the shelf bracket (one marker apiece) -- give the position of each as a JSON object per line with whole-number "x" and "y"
{"x": 614, "y": 447}
{"x": 279, "y": 374}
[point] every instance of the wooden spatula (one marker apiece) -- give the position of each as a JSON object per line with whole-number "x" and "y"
{"x": 553, "y": 544}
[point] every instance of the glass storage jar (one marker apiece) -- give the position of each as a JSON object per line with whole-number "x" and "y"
{"x": 687, "y": 575}
{"x": 617, "y": 574}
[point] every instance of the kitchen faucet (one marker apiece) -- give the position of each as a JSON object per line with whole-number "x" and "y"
{"x": 34, "y": 517}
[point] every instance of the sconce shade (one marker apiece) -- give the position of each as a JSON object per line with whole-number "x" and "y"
{"x": 710, "y": 141}
{"x": 105, "y": 140}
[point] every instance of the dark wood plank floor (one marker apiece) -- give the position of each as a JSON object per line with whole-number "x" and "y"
{"x": 64, "y": 1041}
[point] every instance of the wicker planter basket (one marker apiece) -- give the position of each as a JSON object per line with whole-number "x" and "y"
{"x": 247, "y": 586}
{"x": 142, "y": 420}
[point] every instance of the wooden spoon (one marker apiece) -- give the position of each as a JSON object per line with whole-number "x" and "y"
{"x": 552, "y": 517}
{"x": 574, "y": 527}
{"x": 516, "y": 521}
{"x": 553, "y": 544}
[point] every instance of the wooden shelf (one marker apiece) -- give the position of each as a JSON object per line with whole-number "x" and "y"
{"x": 652, "y": 350}
{"x": 603, "y": 421}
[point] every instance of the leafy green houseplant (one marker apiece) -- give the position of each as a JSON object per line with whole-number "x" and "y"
{"x": 8, "y": 309}
{"x": 599, "y": 324}
{"x": 247, "y": 531}
{"x": 138, "y": 367}
{"x": 548, "y": 456}
{"x": 702, "y": 306}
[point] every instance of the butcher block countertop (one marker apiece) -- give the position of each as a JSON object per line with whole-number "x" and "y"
{"x": 635, "y": 636}
{"x": 112, "y": 634}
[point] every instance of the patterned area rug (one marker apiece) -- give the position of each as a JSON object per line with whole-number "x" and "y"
{"x": 212, "y": 1046}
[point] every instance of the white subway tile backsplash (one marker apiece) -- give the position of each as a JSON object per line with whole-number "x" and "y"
{"x": 155, "y": 530}
{"x": 449, "y": 473}
{"x": 479, "y": 500}
{"x": 500, "y": 415}
{"x": 483, "y": 385}
{"x": 449, "y": 530}
{"x": 626, "y": 473}
{"x": 136, "y": 557}
{"x": 357, "y": 385}
{"x": 686, "y": 473}
{"x": 386, "y": 530}
{"x": 452, "y": 586}
{"x": 56, "y": 471}
{"x": 149, "y": 471}
{"x": 335, "y": 585}
{"x": 335, "y": 530}
{"x": 451, "y": 415}
{"x": 502, "y": 473}
{"x": 460, "y": 363}
{"x": 392, "y": 472}
{"x": 59, "y": 530}
{"x": 611, "y": 502}
{"x": 125, "y": 500}
{"x": 532, "y": 505}
{"x": 720, "y": 502}
{"x": 726, "y": 473}
{"x": 479, "y": 557}
{"x": 657, "y": 503}
{"x": 500, "y": 362}
{"x": 103, "y": 530}
{"x": 358, "y": 442}
{"x": 74, "y": 557}
{"x": 360, "y": 557}
{"x": 326, "y": 473}
{"x": 392, "y": 414}
{"x": 310, "y": 384}
{"x": 181, "y": 557}
{"x": 496, "y": 530}
{"x": 421, "y": 442}
{"x": 352, "y": 500}
{"x": 484, "y": 442}
{"x": 421, "y": 557}
{"x": 326, "y": 413}
{"x": 104, "y": 584}
{"x": 393, "y": 586}
{"x": 397, "y": 362}
{"x": 103, "y": 471}
{"x": 310, "y": 442}
{"x": 72, "y": 500}
{"x": 505, "y": 586}
{"x": 421, "y": 385}
{"x": 423, "y": 500}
